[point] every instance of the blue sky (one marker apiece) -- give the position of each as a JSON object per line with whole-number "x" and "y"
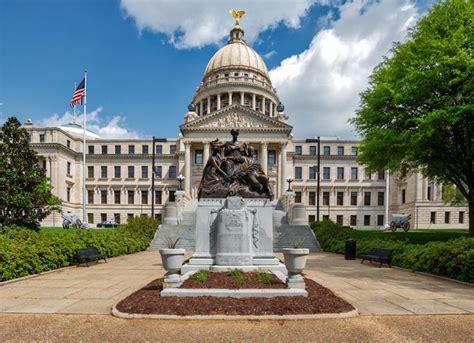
{"x": 145, "y": 58}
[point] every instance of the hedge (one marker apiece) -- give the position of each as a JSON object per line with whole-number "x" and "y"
{"x": 453, "y": 258}
{"x": 24, "y": 252}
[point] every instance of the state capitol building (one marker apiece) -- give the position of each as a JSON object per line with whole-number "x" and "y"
{"x": 235, "y": 92}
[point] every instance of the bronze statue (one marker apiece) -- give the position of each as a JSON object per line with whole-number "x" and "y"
{"x": 237, "y": 15}
{"x": 232, "y": 170}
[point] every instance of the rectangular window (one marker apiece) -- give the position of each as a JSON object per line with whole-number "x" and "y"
{"x": 117, "y": 218}
{"x": 353, "y": 198}
{"x": 145, "y": 197}
{"x": 145, "y": 172}
{"x": 404, "y": 196}
{"x": 298, "y": 150}
{"x": 367, "y": 199}
{"x": 68, "y": 194}
{"x": 298, "y": 197}
{"x": 312, "y": 150}
{"x": 69, "y": 168}
{"x": 271, "y": 157}
{"x": 90, "y": 172}
{"x": 145, "y": 149}
{"x": 380, "y": 220}
{"x": 104, "y": 150}
{"x": 117, "y": 197}
{"x": 90, "y": 196}
{"x": 131, "y": 197}
{"x": 312, "y": 173}
{"x": 367, "y": 174}
{"x": 42, "y": 138}
{"x": 117, "y": 172}
{"x": 461, "y": 217}
{"x": 118, "y": 149}
{"x": 354, "y": 173}
{"x": 103, "y": 171}
{"x": 326, "y": 150}
{"x": 340, "y": 173}
{"x": 159, "y": 171}
{"x": 326, "y": 198}
{"x": 311, "y": 218}
{"x": 131, "y": 171}
{"x": 43, "y": 162}
{"x": 198, "y": 157}
{"x": 340, "y": 198}
{"x": 68, "y": 144}
{"x": 90, "y": 218}
{"x": 158, "y": 196}
{"x": 381, "y": 175}
{"x": 312, "y": 198}
{"x": 433, "y": 218}
{"x": 447, "y": 217}
{"x": 326, "y": 173}
{"x": 428, "y": 193}
{"x": 354, "y": 151}
{"x": 339, "y": 219}
{"x": 353, "y": 220}
{"x": 325, "y": 217}
{"x": 103, "y": 217}
{"x": 340, "y": 151}
{"x": 129, "y": 216}
{"x": 159, "y": 149}
{"x": 172, "y": 196}
{"x": 103, "y": 197}
{"x": 131, "y": 149}
{"x": 380, "y": 198}
{"x": 91, "y": 149}
{"x": 367, "y": 220}
{"x": 173, "y": 149}
{"x": 172, "y": 172}
{"x": 298, "y": 173}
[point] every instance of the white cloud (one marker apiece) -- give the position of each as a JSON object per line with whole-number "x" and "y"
{"x": 320, "y": 87}
{"x": 112, "y": 128}
{"x": 269, "y": 54}
{"x": 194, "y": 23}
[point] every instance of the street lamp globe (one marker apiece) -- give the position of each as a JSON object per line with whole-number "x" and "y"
{"x": 180, "y": 178}
{"x": 289, "y": 179}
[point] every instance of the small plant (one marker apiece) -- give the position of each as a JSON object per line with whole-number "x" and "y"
{"x": 297, "y": 244}
{"x": 201, "y": 275}
{"x": 264, "y": 277}
{"x": 171, "y": 243}
{"x": 238, "y": 275}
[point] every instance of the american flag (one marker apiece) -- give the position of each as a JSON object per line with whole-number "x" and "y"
{"x": 79, "y": 93}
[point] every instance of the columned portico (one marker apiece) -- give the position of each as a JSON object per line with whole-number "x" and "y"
{"x": 187, "y": 168}
{"x": 264, "y": 157}
{"x": 206, "y": 152}
{"x": 218, "y": 102}
{"x": 282, "y": 167}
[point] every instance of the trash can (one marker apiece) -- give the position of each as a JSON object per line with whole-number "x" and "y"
{"x": 350, "y": 250}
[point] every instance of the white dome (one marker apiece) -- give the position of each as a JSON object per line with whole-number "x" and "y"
{"x": 236, "y": 54}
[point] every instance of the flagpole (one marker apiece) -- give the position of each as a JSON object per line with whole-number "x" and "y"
{"x": 74, "y": 107}
{"x": 84, "y": 213}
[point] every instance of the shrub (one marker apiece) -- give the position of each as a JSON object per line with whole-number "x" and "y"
{"x": 24, "y": 252}
{"x": 201, "y": 275}
{"x": 238, "y": 275}
{"x": 435, "y": 253}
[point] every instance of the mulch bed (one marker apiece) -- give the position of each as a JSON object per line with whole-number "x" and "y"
{"x": 148, "y": 301}
{"x": 223, "y": 280}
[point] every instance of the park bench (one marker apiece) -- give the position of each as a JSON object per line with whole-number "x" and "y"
{"x": 378, "y": 255}
{"x": 89, "y": 254}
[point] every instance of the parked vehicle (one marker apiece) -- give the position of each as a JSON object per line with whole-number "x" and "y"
{"x": 400, "y": 220}
{"x": 107, "y": 223}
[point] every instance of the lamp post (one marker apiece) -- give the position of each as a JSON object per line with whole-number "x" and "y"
{"x": 289, "y": 179}
{"x": 180, "y": 178}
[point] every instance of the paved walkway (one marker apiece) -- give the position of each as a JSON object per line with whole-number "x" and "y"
{"x": 372, "y": 290}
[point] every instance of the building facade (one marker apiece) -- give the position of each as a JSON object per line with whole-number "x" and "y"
{"x": 235, "y": 92}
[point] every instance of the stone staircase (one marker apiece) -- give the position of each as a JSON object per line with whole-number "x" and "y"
{"x": 285, "y": 234}
{"x": 185, "y": 233}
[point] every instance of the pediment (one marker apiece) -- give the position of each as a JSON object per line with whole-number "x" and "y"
{"x": 235, "y": 117}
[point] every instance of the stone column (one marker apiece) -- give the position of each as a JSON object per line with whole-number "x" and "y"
{"x": 187, "y": 168}
{"x": 218, "y": 102}
{"x": 242, "y": 98}
{"x": 264, "y": 158}
{"x": 282, "y": 167}
{"x": 201, "y": 108}
{"x": 206, "y": 152}
{"x": 208, "y": 104}
{"x": 264, "y": 100}
{"x": 271, "y": 108}
{"x": 230, "y": 98}
{"x": 254, "y": 102}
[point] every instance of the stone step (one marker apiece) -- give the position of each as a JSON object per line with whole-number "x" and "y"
{"x": 185, "y": 233}
{"x": 284, "y": 235}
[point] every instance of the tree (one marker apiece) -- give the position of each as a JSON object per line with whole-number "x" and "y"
{"x": 25, "y": 193}
{"x": 418, "y": 113}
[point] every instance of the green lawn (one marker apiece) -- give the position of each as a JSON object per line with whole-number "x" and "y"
{"x": 413, "y": 236}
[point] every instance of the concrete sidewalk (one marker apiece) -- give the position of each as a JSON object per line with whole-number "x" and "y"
{"x": 372, "y": 290}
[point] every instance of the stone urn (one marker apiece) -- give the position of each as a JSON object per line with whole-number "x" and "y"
{"x": 172, "y": 261}
{"x": 295, "y": 261}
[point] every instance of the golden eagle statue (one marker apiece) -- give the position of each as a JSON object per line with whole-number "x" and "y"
{"x": 237, "y": 15}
